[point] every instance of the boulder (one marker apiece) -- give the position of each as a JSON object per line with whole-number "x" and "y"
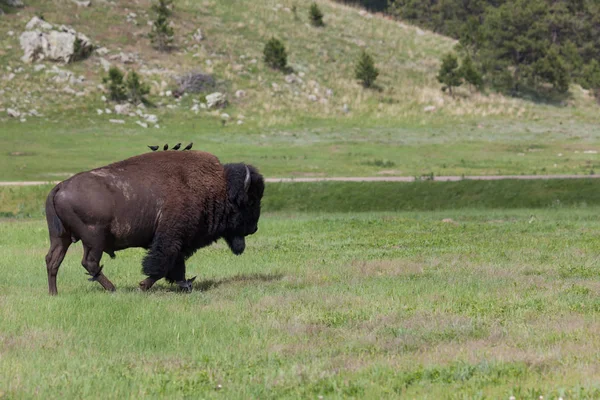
{"x": 216, "y": 99}
{"x": 43, "y": 40}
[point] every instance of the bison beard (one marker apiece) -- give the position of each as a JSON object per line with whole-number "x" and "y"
{"x": 170, "y": 203}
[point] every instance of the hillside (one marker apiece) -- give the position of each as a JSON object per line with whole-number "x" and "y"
{"x": 318, "y": 121}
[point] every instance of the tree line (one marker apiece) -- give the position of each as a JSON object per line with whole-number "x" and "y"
{"x": 518, "y": 46}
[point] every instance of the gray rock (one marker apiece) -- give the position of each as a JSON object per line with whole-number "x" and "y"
{"x": 14, "y": 3}
{"x": 122, "y": 109}
{"x": 105, "y": 64}
{"x": 429, "y": 109}
{"x": 153, "y": 119}
{"x": 312, "y": 97}
{"x": 142, "y": 124}
{"x": 198, "y": 35}
{"x": 216, "y": 99}
{"x": 82, "y": 3}
{"x": 240, "y": 93}
{"x": 39, "y": 67}
{"x": 100, "y": 112}
{"x": 102, "y": 51}
{"x": 43, "y": 40}
{"x": 13, "y": 113}
{"x": 116, "y": 121}
{"x": 69, "y": 90}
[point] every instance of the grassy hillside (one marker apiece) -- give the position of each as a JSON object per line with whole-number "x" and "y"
{"x": 281, "y": 127}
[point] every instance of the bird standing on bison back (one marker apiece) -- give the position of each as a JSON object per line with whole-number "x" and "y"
{"x": 169, "y": 203}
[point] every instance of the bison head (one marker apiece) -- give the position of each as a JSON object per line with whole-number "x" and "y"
{"x": 245, "y": 187}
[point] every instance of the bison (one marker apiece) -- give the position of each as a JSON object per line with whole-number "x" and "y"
{"x": 169, "y": 203}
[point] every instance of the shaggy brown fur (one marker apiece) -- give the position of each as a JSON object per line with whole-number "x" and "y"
{"x": 171, "y": 203}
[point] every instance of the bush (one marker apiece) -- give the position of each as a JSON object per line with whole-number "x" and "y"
{"x": 80, "y": 52}
{"x": 449, "y": 74}
{"x": 365, "y": 70}
{"x": 136, "y": 89}
{"x": 120, "y": 89}
{"x": 116, "y": 86}
{"x": 315, "y": 15}
{"x": 275, "y": 54}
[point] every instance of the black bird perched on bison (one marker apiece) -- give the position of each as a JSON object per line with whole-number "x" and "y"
{"x": 189, "y": 146}
{"x": 177, "y": 146}
{"x": 153, "y": 148}
{"x": 169, "y": 203}
{"x": 166, "y": 147}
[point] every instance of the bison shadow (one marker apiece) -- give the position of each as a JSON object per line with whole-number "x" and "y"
{"x": 208, "y": 284}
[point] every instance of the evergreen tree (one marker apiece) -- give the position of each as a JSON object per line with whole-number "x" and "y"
{"x": 116, "y": 87}
{"x": 449, "y": 74}
{"x": 275, "y": 55}
{"x": 137, "y": 90}
{"x": 469, "y": 73}
{"x": 552, "y": 69}
{"x": 591, "y": 78}
{"x": 162, "y": 33}
{"x": 315, "y": 15}
{"x": 365, "y": 70}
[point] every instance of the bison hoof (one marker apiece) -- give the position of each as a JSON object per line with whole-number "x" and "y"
{"x": 186, "y": 285}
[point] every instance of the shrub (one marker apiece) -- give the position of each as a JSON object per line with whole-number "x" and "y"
{"x": 315, "y": 15}
{"x": 275, "y": 54}
{"x": 136, "y": 89}
{"x": 116, "y": 86}
{"x": 365, "y": 70}
{"x": 120, "y": 89}
{"x": 80, "y": 52}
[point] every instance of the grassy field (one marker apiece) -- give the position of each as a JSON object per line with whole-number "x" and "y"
{"x": 447, "y": 304}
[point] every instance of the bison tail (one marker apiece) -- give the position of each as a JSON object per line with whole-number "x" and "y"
{"x": 55, "y": 225}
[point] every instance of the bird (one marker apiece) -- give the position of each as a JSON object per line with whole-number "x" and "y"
{"x": 177, "y": 146}
{"x": 189, "y": 146}
{"x": 166, "y": 147}
{"x": 153, "y": 148}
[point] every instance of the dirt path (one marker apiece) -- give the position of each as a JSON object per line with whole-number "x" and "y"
{"x": 375, "y": 179}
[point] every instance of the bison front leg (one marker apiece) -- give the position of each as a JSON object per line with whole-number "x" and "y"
{"x": 177, "y": 275}
{"x": 160, "y": 261}
{"x": 91, "y": 262}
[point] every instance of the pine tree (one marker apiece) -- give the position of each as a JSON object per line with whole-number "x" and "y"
{"x": 275, "y": 55}
{"x": 162, "y": 34}
{"x": 116, "y": 87}
{"x": 315, "y": 15}
{"x": 469, "y": 73}
{"x": 163, "y": 7}
{"x": 365, "y": 70}
{"x": 137, "y": 90}
{"x": 552, "y": 69}
{"x": 591, "y": 78}
{"x": 449, "y": 74}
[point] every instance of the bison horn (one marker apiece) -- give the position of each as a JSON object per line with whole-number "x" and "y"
{"x": 247, "y": 180}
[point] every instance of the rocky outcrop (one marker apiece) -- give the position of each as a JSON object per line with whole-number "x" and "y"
{"x": 44, "y": 41}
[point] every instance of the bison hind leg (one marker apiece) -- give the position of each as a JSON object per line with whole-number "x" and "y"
{"x": 58, "y": 248}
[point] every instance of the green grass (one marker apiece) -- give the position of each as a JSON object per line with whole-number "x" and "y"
{"x": 325, "y": 197}
{"x": 361, "y": 305}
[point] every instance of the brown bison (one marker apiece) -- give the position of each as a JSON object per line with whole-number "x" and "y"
{"x": 170, "y": 203}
